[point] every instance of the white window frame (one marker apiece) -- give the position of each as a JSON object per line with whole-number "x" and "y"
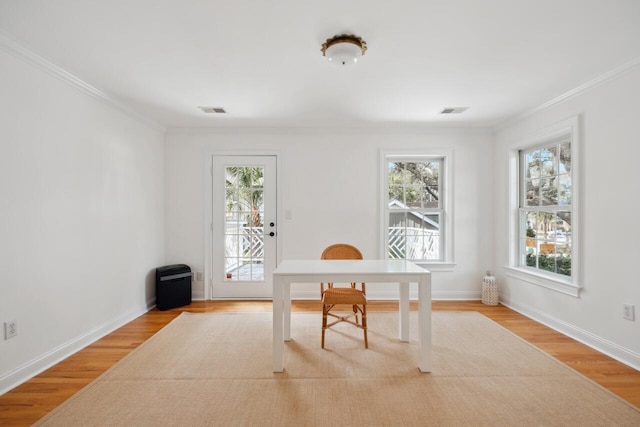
{"x": 568, "y": 285}
{"x": 446, "y": 262}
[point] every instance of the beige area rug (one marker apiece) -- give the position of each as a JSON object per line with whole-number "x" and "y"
{"x": 216, "y": 370}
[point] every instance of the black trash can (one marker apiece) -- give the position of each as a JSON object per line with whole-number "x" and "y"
{"x": 173, "y": 286}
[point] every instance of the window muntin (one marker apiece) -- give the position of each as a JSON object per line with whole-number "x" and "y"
{"x": 414, "y": 208}
{"x": 545, "y": 231}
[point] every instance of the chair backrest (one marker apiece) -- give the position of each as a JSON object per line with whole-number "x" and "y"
{"x": 341, "y": 251}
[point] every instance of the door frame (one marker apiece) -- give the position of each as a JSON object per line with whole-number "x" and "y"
{"x": 208, "y": 213}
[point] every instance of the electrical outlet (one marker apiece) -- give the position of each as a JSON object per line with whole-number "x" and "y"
{"x": 10, "y": 329}
{"x": 628, "y": 312}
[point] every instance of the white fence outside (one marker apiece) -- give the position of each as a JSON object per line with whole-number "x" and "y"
{"x": 413, "y": 243}
{"x": 244, "y": 250}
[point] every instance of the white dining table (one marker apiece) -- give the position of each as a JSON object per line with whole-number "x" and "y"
{"x": 292, "y": 272}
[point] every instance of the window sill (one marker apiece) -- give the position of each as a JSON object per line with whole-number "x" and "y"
{"x": 437, "y": 266}
{"x": 543, "y": 280}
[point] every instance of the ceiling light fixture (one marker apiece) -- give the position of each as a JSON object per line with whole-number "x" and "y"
{"x": 344, "y": 49}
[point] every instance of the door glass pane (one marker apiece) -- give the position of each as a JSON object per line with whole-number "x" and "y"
{"x": 244, "y": 228}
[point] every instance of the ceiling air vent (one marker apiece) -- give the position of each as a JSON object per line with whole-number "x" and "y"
{"x": 453, "y": 110}
{"x": 213, "y": 110}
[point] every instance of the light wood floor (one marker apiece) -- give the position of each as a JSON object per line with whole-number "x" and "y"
{"x": 32, "y": 400}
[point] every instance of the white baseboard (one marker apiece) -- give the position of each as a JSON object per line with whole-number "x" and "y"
{"x": 605, "y": 346}
{"x": 456, "y": 295}
{"x": 33, "y": 367}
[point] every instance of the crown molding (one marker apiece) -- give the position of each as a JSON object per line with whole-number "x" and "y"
{"x": 15, "y": 48}
{"x": 579, "y": 90}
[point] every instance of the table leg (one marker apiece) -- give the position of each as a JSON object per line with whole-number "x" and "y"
{"x": 424, "y": 324}
{"x": 287, "y": 311}
{"x": 278, "y": 345}
{"x": 404, "y": 312}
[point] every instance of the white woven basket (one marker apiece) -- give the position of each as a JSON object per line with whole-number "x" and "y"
{"x": 489, "y": 290}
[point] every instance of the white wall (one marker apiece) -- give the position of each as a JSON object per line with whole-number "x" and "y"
{"x": 81, "y": 217}
{"x": 330, "y": 184}
{"x": 610, "y": 153}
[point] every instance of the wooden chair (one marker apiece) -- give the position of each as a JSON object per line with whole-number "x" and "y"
{"x": 333, "y": 296}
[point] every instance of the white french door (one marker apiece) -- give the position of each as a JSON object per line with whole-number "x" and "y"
{"x": 244, "y": 228}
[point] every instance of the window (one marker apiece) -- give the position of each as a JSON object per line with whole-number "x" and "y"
{"x": 415, "y": 208}
{"x": 544, "y": 225}
{"x": 546, "y": 207}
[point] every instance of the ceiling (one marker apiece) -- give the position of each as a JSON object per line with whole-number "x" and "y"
{"x": 260, "y": 60}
